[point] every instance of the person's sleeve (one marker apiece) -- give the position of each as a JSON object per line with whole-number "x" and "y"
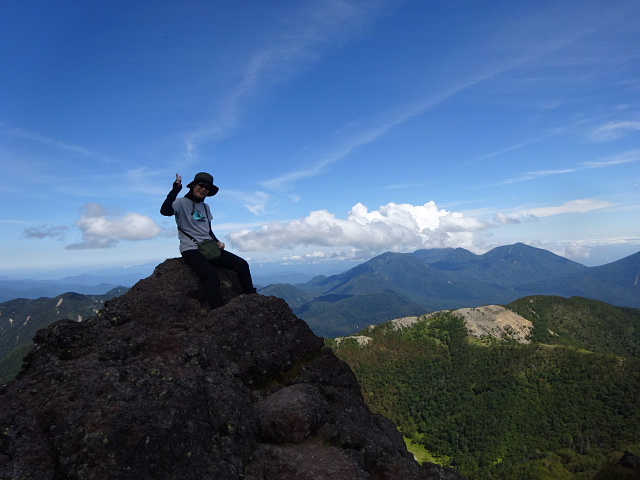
{"x": 167, "y": 206}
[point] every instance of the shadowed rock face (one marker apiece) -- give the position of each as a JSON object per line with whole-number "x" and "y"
{"x": 156, "y": 386}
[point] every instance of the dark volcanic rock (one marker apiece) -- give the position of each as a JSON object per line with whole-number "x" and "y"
{"x": 157, "y": 386}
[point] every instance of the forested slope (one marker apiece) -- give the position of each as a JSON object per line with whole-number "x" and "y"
{"x": 504, "y": 410}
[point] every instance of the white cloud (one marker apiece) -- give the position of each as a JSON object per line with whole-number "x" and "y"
{"x": 102, "y": 230}
{"x": 505, "y": 219}
{"x": 300, "y": 41}
{"x": 317, "y": 256}
{"x": 631, "y": 156}
{"x": 504, "y": 150}
{"x": 614, "y": 130}
{"x": 366, "y": 131}
{"x": 597, "y": 250}
{"x": 255, "y": 202}
{"x": 573, "y": 206}
{"x": 393, "y": 227}
{"x": 576, "y": 251}
{"x": 619, "y": 159}
{"x": 51, "y": 142}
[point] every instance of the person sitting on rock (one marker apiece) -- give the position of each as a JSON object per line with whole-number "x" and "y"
{"x": 193, "y": 218}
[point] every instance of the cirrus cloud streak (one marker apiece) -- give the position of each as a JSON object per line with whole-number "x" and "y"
{"x": 584, "y": 205}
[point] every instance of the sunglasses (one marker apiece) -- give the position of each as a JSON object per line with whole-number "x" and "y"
{"x": 204, "y": 185}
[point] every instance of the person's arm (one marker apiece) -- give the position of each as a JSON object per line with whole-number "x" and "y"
{"x": 167, "y": 206}
{"x": 213, "y": 235}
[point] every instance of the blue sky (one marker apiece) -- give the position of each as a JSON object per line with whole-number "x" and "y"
{"x": 336, "y": 130}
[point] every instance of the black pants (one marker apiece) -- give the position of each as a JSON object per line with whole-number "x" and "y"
{"x": 204, "y": 269}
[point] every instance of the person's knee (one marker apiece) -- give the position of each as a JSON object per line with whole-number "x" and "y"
{"x": 239, "y": 264}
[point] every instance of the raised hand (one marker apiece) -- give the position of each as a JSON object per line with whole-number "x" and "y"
{"x": 178, "y": 179}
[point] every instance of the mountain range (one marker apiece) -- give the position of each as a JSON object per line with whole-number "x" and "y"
{"x": 389, "y": 286}
{"x": 85, "y": 284}
{"x": 100, "y": 281}
{"x": 21, "y": 318}
{"x": 394, "y": 285}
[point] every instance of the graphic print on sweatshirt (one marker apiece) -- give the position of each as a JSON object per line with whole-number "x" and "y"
{"x": 198, "y": 216}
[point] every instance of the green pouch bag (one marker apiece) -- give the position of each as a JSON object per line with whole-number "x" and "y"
{"x": 210, "y": 249}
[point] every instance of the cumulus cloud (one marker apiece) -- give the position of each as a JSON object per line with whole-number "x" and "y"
{"x": 576, "y": 250}
{"x": 101, "y": 229}
{"x": 391, "y": 227}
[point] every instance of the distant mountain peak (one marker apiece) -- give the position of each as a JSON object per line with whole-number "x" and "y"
{"x": 439, "y": 279}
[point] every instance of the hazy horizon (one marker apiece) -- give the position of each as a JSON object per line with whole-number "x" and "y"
{"x": 259, "y": 271}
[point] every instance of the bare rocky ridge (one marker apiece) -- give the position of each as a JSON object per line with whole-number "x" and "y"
{"x": 496, "y": 321}
{"x": 155, "y": 386}
{"x": 489, "y": 320}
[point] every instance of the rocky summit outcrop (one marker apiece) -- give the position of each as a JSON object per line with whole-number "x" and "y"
{"x": 156, "y": 386}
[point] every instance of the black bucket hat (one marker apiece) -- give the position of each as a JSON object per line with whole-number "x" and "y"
{"x": 204, "y": 177}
